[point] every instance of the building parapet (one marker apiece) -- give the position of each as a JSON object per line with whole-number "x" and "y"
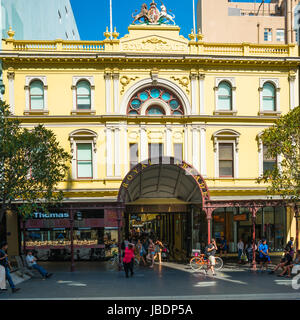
{"x": 155, "y": 44}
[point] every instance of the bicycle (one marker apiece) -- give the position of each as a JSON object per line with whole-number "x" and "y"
{"x": 197, "y": 263}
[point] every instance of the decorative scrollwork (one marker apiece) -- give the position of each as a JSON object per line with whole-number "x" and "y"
{"x": 184, "y": 81}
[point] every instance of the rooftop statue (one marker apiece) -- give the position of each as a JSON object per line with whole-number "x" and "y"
{"x": 153, "y": 16}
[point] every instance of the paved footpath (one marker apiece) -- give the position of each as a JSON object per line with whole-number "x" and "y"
{"x": 170, "y": 281}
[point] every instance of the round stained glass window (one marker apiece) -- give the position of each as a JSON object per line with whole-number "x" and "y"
{"x": 136, "y": 103}
{"x": 155, "y": 93}
{"x": 134, "y": 112}
{"x": 166, "y": 96}
{"x": 174, "y": 104}
{"x": 155, "y": 111}
{"x": 144, "y": 96}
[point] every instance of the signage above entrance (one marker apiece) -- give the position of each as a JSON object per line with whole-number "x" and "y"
{"x": 175, "y": 179}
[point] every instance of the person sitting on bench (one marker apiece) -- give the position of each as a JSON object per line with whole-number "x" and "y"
{"x": 295, "y": 263}
{"x": 285, "y": 261}
{"x": 31, "y": 261}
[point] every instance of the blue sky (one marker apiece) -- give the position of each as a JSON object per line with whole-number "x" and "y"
{"x": 92, "y": 16}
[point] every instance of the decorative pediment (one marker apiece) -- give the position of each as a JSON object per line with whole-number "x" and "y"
{"x": 156, "y": 39}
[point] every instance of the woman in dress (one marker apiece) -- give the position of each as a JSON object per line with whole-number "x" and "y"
{"x": 151, "y": 252}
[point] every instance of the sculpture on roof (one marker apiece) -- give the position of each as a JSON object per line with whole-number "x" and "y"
{"x": 153, "y": 16}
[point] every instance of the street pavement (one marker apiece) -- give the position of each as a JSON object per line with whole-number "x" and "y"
{"x": 169, "y": 281}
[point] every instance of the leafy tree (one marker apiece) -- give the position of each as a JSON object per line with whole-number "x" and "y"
{"x": 283, "y": 138}
{"x": 32, "y": 163}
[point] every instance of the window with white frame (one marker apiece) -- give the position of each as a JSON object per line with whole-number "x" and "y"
{"x": 269, "y": 96}
{"x": 83, "y": 94}
{"x": 84, "y": 161}
{"x": 36, "y": 95}
{"x": 134, "y": 154}
{"x": 224, "y": 96}
{"x": 155, "y": 150}
{"x": 226, "y": 147}
{"x": 268, "y": 34}
{"x": 226, "y": 160}
{"x": 268, "y": 162}
{"x": 84, "y": 154}
{"x": 280, "y": 35}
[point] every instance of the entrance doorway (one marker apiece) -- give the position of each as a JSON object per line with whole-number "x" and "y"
{"x": 173, "y": 229}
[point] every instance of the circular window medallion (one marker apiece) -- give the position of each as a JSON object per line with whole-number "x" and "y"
{"x": 155, "y": 93}
{"x": 136, "y": 104}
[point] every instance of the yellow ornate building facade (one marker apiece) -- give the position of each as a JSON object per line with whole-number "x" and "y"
{"x": 164, "y": 134}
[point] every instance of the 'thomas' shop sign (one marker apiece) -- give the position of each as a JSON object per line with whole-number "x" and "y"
{"x": 39, "y": 215}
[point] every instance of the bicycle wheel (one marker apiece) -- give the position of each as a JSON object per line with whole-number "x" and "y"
{"x": 196, "y": 263}
{"x": 219, "y": 263}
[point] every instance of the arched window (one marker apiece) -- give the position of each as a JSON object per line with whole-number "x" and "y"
{"x": 224, "y": 96}
{"x": 83, "y": 94}
{"x": 269, "y": 97}
{"x": 36, "y": 92}
{"x": 155, "y": 101}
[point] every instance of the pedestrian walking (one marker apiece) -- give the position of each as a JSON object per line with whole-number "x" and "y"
{"x": 32, "y": 263}
{"x": 140, "y": 251}
{"x": 264, "y": 254}
{"x": 210, "y": 252}
{"x": 151, "y": 252}
{"x": 223, "y": 247}
{"x": 6, "y": 264}
{"x": 158, "y": 249}
{"x": 128, "y": 259}
{"x": 240, "y": 247}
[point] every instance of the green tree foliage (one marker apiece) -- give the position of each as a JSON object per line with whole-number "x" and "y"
{"x": 284, "y": 139}
{"x": 32, "y": 163}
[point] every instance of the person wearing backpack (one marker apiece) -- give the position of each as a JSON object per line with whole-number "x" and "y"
{"x": 210, "y": 252}
{"x": 5, "y": 263}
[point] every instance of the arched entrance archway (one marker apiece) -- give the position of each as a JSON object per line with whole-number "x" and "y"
{"x": 170, "y": 190}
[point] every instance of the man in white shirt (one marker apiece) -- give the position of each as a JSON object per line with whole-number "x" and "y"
{"x": 31, "y": 261}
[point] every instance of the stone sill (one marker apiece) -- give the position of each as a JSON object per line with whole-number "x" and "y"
{"x": 36, "y": 112}
{"x": 269, "y": 113}
{"x": 83, "y": 112}
{"x": 225, "y": 113}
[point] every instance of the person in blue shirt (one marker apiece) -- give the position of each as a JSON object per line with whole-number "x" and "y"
{"x": 223, "y": 247}
{"x": 264, "y": 254}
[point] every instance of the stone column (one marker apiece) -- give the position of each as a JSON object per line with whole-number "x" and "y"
{"x": 11, "y": 90}
{"x": 203, "y": 169}
{"x": 107, "y": 77}
{"x": 144, "y": 143}
{"x": 109, "y": 155}
{"x": 168, "y": 141}
{"x": 196, "y": 145}
{"x": 201, "y": 93}
{"x": 292, "y": 79}
{"x": 194, "y": 77}
{"x": 115, "y": 77}
{"x": 117, "y": 153}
